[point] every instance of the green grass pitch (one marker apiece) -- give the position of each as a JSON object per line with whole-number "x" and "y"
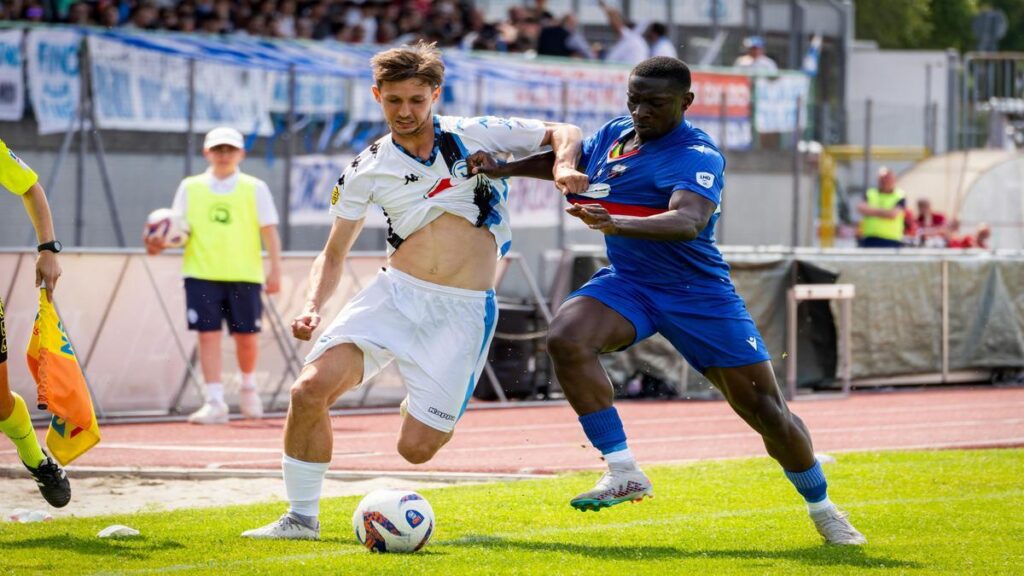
{"x": 940, "y": 512}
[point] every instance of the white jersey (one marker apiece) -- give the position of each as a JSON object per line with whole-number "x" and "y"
{"x": 414, "y": 193}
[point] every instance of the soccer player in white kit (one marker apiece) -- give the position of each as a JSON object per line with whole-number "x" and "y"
{"x": 433, "y": 309}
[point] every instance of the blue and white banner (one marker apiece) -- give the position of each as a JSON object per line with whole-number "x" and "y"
{"x": 53, "y": 77}
{"x": 12, "y": 79}
{"x": 141, "y": 89}
{"x": 775, "y": 102}
{"x": 532, "y": 203}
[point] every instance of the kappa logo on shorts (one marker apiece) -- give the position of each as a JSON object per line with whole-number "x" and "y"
{"x": 705, "y": 179}
{"x": 437, "y": 412}
{"x": 753, "y": 342}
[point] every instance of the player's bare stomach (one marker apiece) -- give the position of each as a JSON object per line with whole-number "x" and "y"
{"x": 449, "y": 251}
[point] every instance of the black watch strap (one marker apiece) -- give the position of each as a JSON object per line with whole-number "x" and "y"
{"x": 54, "y": 246}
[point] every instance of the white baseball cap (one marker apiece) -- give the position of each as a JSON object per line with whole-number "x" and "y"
{"x": 224, "y": 135}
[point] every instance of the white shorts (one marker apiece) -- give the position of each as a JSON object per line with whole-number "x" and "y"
{"x": 439, "y": 335}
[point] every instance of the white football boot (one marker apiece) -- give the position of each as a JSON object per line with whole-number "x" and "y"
{"x": 284, "y": 528}
{"x": 833, "y": 525}
{"x": 615, "y": 487}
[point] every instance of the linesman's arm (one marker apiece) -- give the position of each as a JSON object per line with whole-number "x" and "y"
{"x": 326, "y": 274}
{"x": 273, "y": 243}
{"x": 38, "y": 210}
{"x": 687, "y": 216}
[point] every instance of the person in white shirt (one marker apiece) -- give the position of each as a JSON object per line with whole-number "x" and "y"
{"x": 656, "y": 36}
{"x": 433, "y": 309}
{"x": 228, "y": 214}
{"x": 630, "y": 47}
{"x": 755, "y": 58}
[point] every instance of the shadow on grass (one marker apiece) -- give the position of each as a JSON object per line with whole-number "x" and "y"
{"x": 139, "y": 548}
{"x": 813, "y": 555}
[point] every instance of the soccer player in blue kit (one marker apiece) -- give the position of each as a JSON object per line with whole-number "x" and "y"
{"x": 655, "y": 193}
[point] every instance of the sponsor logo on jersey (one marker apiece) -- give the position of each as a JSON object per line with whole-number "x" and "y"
{"x": 443, "y": 415}
{"x": 596, "y": 191}
{"x": 753, "y": 342}
{"x": 220, "y": 213}
{"x": 616, "y": 171}
{"x": 335, "y": 195}
{"x": 410, "y": 178}
{"x": 705, "y": 179}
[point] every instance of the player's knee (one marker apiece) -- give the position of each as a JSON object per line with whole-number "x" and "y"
{"x": 416, "y": 452}
{"x": 309, "y": 393}
{"x": 565, "y": 346}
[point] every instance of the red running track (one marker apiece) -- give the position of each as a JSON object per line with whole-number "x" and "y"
{"x": 549, "y": 439}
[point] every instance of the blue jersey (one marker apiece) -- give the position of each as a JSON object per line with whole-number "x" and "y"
{"x": 641, "y": 183}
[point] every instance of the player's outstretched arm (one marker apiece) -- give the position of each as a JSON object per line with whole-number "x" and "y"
{"x": 685, "y": 219}
{"x": 566, "y": 141}
{"x": 38, "y": 209}
{"x": 540, "y": 166}
{"x": 325, "y": 275}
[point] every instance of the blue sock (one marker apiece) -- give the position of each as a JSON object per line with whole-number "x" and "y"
{"x": 810, "y": 483}
{"x": 604, "y": 430}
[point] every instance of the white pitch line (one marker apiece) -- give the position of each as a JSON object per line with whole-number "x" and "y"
{"x": 819, "y": 431}
{"x": 469, "y": 540}
{"x": 571, "y": 424}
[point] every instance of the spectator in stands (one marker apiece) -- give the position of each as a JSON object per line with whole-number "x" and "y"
{"x": 144, "y": 17}
{"x": 755, "y": 59}
{"x": 229, "y": 213}
{"x": 882, "y": 225}
{"x": 979, "y": 239}
{"x": 657, "y": 38}
{"x": 561, "y": 38}
{"x": 932, "y": 231}
{"x": 630, "y": 47}
{"x": 79, "y": 14}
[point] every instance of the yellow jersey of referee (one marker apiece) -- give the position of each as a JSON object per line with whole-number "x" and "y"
{"x": 15, "y": 175}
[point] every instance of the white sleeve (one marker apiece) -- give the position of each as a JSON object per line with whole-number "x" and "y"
{"x": 351, "y": 195}
{"x": 517, "y": 136}
{"x": 265, "y": 209}
{"x": 179, "y": 203}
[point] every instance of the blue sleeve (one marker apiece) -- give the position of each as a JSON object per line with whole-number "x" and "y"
{"x": 700, "y": 172}
{"x": 589, "y": 145}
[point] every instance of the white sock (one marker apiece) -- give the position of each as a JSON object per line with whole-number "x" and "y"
{"x": 825, "y": 504}
{"x": 248, "y": 382}
{"x": 302, "y": 482}
{"x": 620, "y": 460}
{"x": 215, "y": 392}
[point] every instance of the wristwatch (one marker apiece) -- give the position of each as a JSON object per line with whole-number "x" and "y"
{"x": 54, "y": 246}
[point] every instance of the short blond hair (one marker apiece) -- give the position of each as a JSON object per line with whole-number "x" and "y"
{"x": 421, "y": 61}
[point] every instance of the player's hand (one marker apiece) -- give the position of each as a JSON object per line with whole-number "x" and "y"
{"x": 305, "y": 323}
{"x": 481, "y": 162}
{"x": 47, "y": 272}
{"x": 569, "y": 180}
{"x": 594, "y": 216}
{"x": 273, "y": 285}
{"x": 154, "y": 244}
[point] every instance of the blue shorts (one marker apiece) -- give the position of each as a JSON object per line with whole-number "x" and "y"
{"x": 209, "y": 303}
{"x": 711, "y": 329}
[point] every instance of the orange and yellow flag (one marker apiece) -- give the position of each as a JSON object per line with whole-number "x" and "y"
{"x": 61, "y": 385}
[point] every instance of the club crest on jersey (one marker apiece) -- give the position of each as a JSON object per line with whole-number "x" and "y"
{"x": 460, "y": 170}
{"x": 705, "y": 179}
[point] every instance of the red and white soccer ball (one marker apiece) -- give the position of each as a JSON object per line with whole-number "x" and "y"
{"x": 167, "y": 225}
{"x": 393, "y": 521}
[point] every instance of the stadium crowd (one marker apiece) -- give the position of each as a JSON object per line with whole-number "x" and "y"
{"x": 450, "y": 23}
